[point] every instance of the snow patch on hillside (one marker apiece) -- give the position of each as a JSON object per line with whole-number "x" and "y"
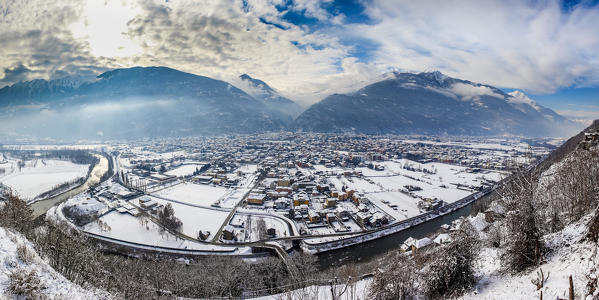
{"x": 569, "y": 256}
{"x": 56, "y": 286}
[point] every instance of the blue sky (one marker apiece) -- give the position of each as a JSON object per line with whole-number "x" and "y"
{"x": 308, "y": 49}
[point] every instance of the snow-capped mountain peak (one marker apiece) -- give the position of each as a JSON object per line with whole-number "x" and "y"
{"x": 440, "y": 77}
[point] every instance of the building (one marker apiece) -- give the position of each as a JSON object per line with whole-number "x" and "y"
{"x": 330, "y": 202}
{"x": 282, "y": 203}
{"x": 202, "y": 179}
{"x": 163, "y": 178}
{"x": 313, "y": 216}
{"x": 256, "y": 199}
{"x": 229, "y": 233}
{"x": 284, "y": 181}
{"x": 303, "y": 208}
{"x": 363, "y": 218}
{"x": 301, "y": 199}
{"x": 331, "y": 217}
{"x": 147, "y": 203}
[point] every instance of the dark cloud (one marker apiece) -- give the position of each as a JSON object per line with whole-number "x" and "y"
{"x": 17, "y": 73}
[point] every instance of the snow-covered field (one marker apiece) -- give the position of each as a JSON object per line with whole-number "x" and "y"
{"x": 39, "y": 176}
{"x": 196, "y": 194}
{"x": 184, "y": 170}
{"x": 137, "y": 230}
{"x": 448, "y": 183}
{"x": 195, "y": 218}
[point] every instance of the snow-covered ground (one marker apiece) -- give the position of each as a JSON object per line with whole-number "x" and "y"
{"x": 235, "y": 195}
{"x": 39, "y": 176}
{"x": 184, "y": 170}
{"x": 270, "y": 222}
{"x": 196, "y": 194}
{"x": 355, "y": 291}
{"x": 570, "y": 256}
{"x": 195, "y": 218}
{"x": 128, "y": 228}
{"x": 56, "y": 286}
{"x": 384, "y": 188}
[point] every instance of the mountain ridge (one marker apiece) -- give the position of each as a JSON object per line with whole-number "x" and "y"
{"x": 135, "y": 102}
{"x": 270, "y": 97}
{"x": 431, "y": 103}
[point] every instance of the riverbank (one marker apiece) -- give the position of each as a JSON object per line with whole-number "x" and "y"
{"x": 42, "y": 206}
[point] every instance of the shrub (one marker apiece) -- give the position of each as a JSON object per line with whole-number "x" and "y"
{"x": 24, "y": 254}
{"x": 452, "y": 272}
{"x": 25, "y": 283}
{"x": 398, "y": 281}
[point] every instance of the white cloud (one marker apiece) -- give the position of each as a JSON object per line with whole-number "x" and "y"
{"x": 533, "y": 46}
{"x": 471, "y": 92}
{"x": 585, "y": 117}
{"x": 527, "y": 45}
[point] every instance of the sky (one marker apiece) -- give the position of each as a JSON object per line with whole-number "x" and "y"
{"x": 308, "y": 49}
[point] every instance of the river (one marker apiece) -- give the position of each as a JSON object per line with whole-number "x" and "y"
{"x": 371, "y": 250}
{"x": 42, "y": 206}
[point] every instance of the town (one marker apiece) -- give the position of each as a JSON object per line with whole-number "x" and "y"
{"x": 233, "y": 194}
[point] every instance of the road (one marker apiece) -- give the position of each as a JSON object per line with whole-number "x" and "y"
{"x": 233, "y": 211}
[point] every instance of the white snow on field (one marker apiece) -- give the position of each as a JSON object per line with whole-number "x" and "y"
{"x": 448, "y": 183}
{"x": 57, "y": 287}
{"x": 195, "y": 218}
{"x": 406, "y": 206}
{"x": 128, "y": 228}
{"x": 198, "y": 194}
{"x": 233, "y": 197}
{"x": 270, "y": 222}
{"x": 39, "y": 176}
{"x": 248, "y": 169}
{"x": 184, "y": 170}
{"x": 500, "y": 145}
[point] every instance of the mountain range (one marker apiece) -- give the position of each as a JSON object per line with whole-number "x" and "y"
{"x": 432, "y": 103}
{"x": 159, "y": 101}
{"x": 134, "y": 102}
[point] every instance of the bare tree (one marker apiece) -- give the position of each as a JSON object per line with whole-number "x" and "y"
{"x": 397, "y": 281}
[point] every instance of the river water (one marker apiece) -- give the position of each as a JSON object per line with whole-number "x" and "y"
{"x": 368, "y": 251}
{"x": 42, "y": 206}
